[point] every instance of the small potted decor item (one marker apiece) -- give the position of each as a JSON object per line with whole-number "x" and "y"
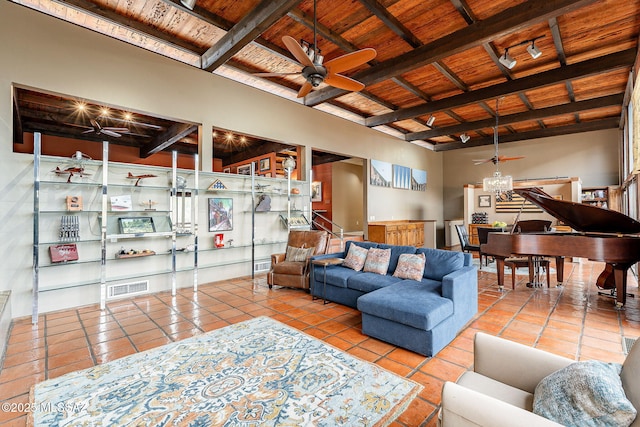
{"x": 219, "y": 240}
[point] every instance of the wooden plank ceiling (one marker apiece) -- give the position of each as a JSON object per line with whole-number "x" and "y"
{"x": 435, "y": 58}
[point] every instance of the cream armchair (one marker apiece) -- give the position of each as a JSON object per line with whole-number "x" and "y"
{"x": 499, "y": 391}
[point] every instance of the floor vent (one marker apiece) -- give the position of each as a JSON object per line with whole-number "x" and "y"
{"x": 261, "y": 266}
{"x": 627, "y": 343}
{"x": 122, "y": 289}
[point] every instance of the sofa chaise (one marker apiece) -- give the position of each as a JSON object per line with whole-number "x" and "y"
{"x": 422, "y": 314}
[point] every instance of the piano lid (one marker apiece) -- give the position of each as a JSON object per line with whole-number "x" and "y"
{"x": 581, "y": 217}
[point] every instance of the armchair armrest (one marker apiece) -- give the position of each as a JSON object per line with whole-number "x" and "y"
{"x": 276, "y": 258}
{"x": 465, "y": 407}
{"x": 512, "y": 363}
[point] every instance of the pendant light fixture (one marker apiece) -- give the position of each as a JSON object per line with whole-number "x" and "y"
{"x": 497, "y": 183}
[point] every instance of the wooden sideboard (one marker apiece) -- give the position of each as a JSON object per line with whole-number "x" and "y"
{"x": 473, "y": 233}
{"x": 407, "y": 232}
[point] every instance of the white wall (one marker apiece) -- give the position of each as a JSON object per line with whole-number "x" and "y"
{"x": 591, "y": 156}
{"x": 47, "y": 54}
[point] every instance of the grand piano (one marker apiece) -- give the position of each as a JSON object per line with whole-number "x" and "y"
{"x": 601, "y": 235}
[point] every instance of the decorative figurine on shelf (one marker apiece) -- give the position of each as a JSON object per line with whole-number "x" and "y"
{"x": 219, "y": 240}
{"x": 149, "y": 205}
{"x": 139, "y": 178}
{"x": 69, "y": 228}
{"x": 71, "y": 172}
{"x": 74, "y": 203}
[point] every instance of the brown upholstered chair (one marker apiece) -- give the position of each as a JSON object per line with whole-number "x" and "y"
{"x": 295, "y": 274}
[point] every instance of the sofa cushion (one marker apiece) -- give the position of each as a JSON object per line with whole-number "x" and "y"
{"x": 356, "y": 257}
{"x": 439, "y": 263}
{"x": 407, "y": 302}
{"x": 298, "y": 254}
{"x": 336, "y": 275}
{"x": 410, "y": 266}
{"x": 585, "y": 393}
{"x": 368, "y": 282}
{"x": 377, "y": 261}
{"x": 365, "y": 245}
{"x": 396, "y": 251}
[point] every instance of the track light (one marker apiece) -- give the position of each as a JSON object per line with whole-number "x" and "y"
{"x": 507, "y": 60}
{"x": 464, "y": 138}
{"x": 189, "y": 4}
{"x": 431, "y": 120}
{"x": 533, "y": 50}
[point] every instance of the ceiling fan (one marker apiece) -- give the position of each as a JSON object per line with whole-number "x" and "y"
{"x": 497, "y": 159}
{"x": 315, "y": 72}
{"x": 106, "y": 130}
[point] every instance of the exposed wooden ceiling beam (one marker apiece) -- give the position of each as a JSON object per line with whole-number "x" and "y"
{"x": 581, "y": 69}
{"x": 245, "y": 31}
{"x": 609, "y": 123}
{"x": 541, "y": 113}
{"x": 93, "y": 9}
{"x": 167, "y": 138}
{"x": 503, "y": 23}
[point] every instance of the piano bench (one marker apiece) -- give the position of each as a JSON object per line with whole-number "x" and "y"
{"x": 515, "y": 263}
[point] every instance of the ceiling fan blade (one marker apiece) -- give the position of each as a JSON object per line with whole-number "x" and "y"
{"x": 89, "y": 131}
{"x": 343, "y": 82}
{"x": 122, "y": 130}
{"x": 305, "y": 89}
{"x": 296, "y": 51}
{"x": 111, "y": 133}
{"x": 273, "y": 74}
{"x": 350, "y": 60}
{"x": 95, "y": 123}
{"x": 506, "y": 158}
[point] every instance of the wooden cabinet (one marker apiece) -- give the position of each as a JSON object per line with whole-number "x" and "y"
{"x": 406, "y": 233}
{"x": 473, "y": 233}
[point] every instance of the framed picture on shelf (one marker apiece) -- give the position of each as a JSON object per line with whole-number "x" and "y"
{"x": 226, "y": 170}
{"x": 136, "y": 225}
{"x": 220, "y": 214}
{"x": 316, "y": 191}
{"x": 265, "y": 164}
{"x": 244, "y": 169}
{"x": 484, "y": 201}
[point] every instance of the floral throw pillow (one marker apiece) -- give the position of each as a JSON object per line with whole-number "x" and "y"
{"x": 298, "y": 254}
{"x": 377, "y": 260}
{"x": 410, "y": 266}
{"x": 355, "y": 257}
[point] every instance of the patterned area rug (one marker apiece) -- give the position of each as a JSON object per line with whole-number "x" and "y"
{"x": 255, "y": 373}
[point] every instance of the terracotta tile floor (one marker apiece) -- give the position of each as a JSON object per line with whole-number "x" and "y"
{"x": 571, "y": 321}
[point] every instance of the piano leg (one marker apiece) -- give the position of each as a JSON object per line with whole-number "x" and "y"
{"x": 620, "y": 278}
{"x": 560, "y": 269}
{"x": 500, "y": 271}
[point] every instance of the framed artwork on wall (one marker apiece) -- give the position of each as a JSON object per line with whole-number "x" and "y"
{"x": 244, "y": 170}
{"x": 220, "y": 214}
{"x": 265, "y": 164}
{"x": 401, "y": 177}
{"x": 316, "y": 191}
{"x": 484, "y": 201}
{"x": 380, "y": 174}
{"x": 418, "y": 180}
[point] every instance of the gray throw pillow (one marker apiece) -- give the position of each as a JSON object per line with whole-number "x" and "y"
{"x": 584, "y": 394}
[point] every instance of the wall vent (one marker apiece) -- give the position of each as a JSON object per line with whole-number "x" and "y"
{"x": 261, "y": 266}
{"x": 126, "y": 289}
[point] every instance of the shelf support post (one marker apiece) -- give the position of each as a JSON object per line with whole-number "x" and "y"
{"x": 103, "y": 226}
{"x": 36, "y": 227}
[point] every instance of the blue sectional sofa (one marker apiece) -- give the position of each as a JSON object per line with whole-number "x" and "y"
{"x": 421, "y": 316}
